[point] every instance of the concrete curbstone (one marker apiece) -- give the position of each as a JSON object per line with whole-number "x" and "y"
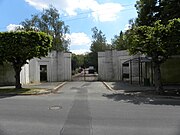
{"x": 54, "y": 90}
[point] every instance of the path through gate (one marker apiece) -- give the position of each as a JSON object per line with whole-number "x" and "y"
{"x": 85, "y": 76}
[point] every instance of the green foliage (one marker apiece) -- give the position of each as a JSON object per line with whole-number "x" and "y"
{"x": 170, "y": 9}
{"x": 77, "y": 61}
{"x": 23, "y": 91}
{"x": 158, "y": 41}
{"x": 119, "y": 42}
{"x": 88, "y": 60}
{"x": 154, "y": 34}
{"x": 98, "y": 44}
{"x": 49, "y": 22}
{"x": 98, "y": 41}
{"x": 148, "y": 11}
{"x": 20, "y": 46}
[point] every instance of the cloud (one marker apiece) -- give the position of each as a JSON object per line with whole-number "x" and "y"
{"x": 80, "y": 42}
{"x": 13, "y": 27}
{"x": 80, "y": 51}
{"x": 79, "y": 39}
{"x": 107, "y": 12}
{"x": 38, "y": 4}
{"x": 100, "y": 12}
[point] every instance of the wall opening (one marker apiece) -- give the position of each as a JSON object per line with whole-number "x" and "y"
{"x": 43, "y": 73}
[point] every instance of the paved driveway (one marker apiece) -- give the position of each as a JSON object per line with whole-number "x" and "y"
{"x": 88, "y": 108}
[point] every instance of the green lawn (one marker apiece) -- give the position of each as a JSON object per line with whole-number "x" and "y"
{"x": 23, "y": 91}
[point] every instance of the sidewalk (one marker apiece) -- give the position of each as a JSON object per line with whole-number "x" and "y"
{"x": 45, "y": 87}
{"x": 124, "y": 87}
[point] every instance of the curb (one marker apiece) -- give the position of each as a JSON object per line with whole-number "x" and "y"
{"x": 54, "y": 90}
{"x": 108, "y": 87}
{"x": 122, "y": 91}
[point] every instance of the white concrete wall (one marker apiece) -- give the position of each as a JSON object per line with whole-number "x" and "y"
{"x": 110, "y": 64}
{"x": 24, "y": 75}
{"x": 60, "y": 66}
{"x": 67, "y": 67}
{"x": 7, "y": 74}
{"x": 34, "y": 72}
{"x": 58, "y": 69}
{"x": 101, "y": 66}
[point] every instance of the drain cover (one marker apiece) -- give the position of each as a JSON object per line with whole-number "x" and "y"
{"x": 55, "y": 107}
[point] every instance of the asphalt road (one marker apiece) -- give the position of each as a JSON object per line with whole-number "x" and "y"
{"x": 88, "y": 108}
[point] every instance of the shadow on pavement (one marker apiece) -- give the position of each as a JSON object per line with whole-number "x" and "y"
{"x": 136, "y": 94}
{"x": 170, "y": 89}
{"x": 128, "y": 87}
{"x": 11, "y": 92}
{"x": 3, "y": 131}
{"x": 178, "y": 132}
{"x": 138, "y": 98}
{"x": 7, "y": 96}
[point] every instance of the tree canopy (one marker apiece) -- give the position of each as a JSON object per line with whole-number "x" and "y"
{"x": 169, "y": 9}
{"x": 19, "y": 46}
{"x": 155, "y": 33}
{"x": 49, "y": 22}
{"x": 148, "y": 11}
{"x": 77, "y": 61}
{"x": 160, "y": 39}
{"x": 158, "y": 42}
{"x": 98, "y": 44}
{"x": 98, "y": 41}
{"x": 119, "y": 42}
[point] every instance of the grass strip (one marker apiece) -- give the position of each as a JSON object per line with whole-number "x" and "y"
{"x": 23, "y": 91}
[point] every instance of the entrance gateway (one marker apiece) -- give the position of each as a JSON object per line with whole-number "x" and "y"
{"x": 85, "y": 75}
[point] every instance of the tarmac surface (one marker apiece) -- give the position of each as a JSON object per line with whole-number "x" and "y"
{"x": 88, "y": 108}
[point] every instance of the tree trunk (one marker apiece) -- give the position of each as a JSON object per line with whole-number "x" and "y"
{"x": 17, "y": 77}
{"x": 157, "y": 78}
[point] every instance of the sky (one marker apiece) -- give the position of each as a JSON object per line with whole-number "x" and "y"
{"x": 109, "y": 16}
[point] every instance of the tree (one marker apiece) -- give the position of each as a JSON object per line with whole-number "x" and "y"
{"x": 99, "y": 41}
{"x": 98, "y": 44}
{"x": 169, "y": 10}
{"x": 20, "y": 46}
{"x": 49, "y": 22}
{"x": 148, "y": 11}
{"x": 77, "y": 61}
{"x": 119, "y": 42}
{"x": 158, "y": 42}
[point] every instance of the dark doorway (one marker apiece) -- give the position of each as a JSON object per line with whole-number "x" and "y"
{"x": 43, "y": 73}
